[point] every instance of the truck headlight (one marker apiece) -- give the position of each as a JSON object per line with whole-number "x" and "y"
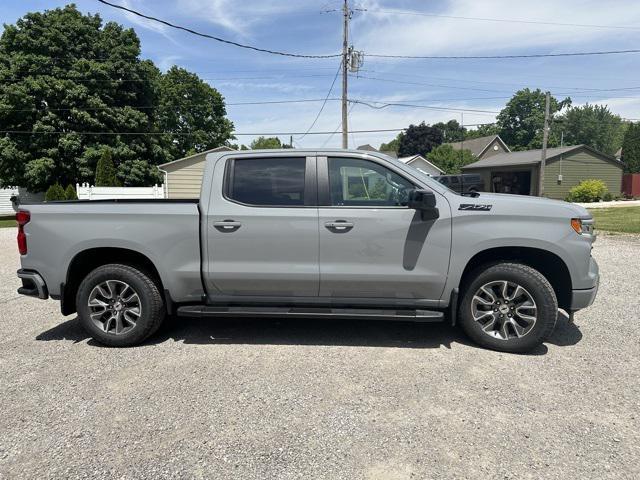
{"x": 582, "y": 226}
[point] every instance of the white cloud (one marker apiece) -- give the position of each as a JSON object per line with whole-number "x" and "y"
{"x": 421, "y": 35}
{"x": 283, "y": 87}
{"x": 240, "y": 16}
{"x": 167, "y": 61}
{"x": 142, "y": 22}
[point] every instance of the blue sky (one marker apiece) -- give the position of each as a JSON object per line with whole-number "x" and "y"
{"x": 314, "y": 27}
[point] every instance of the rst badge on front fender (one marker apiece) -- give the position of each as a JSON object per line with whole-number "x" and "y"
{"x": 475, "y": 207}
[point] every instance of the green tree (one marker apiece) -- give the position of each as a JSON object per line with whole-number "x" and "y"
{"x": 419, "y": 140}
{"x": 106, "y": 171}
{"x": 193, "y": 112}
{"x": 592, "y": 125}
{"x": 54, "y": 192}
{"x": 482, "y": 131}
{"x": 393, "y": 145}
{"x": 63, "y": 72}
{"x": 521, "y": 121}
{"x": 450, "y": 160}
{"x": 267, "y": 143}
{"x": 70, "y": 193}
{"x": 452, "y": 131}
{"x": 631, "y": 149}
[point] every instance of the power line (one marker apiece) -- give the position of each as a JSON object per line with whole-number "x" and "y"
{"x": 501, "y": 20}
{"x": 255, "y": 134}
{"x": 325, "y": 101}
{"x": 160, "y": 107}
{"x": 431, "y": 107}
{"x": 128, "y": 80}
{"x": 212, "y": 37}
{"x": 506, "y": 57}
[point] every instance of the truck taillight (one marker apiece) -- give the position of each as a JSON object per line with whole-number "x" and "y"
{"x": 22, "y": 217}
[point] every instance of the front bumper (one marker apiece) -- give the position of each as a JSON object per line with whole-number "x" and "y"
{"x": 584, "y": 297}
{"x": 33, "y": 285}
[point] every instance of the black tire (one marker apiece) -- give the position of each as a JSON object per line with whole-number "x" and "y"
{"x": 535, "y": 284}
{"x": 152, "y": 309}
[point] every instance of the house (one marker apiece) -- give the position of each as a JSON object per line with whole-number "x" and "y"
{"x": 482, "y": 147}
{"x": 416, "y": 161}
{"x": 183, "y": 177}
{"x": 566, "y": 167}
{"x": 422, "y": 164}
{"x": 368, "y": 148}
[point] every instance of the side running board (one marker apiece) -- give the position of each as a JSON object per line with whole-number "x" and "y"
{"x": 299, "y": 312}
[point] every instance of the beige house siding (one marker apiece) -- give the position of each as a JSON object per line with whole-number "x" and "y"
{"x": 576, "y": 167}
{"x": 185, "y": 178}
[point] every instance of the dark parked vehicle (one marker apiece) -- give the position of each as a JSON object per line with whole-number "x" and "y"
{"x": 465, "y": 183}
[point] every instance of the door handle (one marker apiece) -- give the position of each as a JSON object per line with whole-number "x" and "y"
{"x": 339, "y": 226}
{"x": 227, "y": 225}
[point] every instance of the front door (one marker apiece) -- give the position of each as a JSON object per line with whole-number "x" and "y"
{"x": 371, "y": 243}
{"x": 262, "y": 227}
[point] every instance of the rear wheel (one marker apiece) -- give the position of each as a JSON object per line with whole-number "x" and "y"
{"x": 119, "y": 305}
{"x": 508, "y": 307}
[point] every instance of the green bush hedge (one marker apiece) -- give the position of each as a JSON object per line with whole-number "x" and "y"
{"x": 591, "y": 190}
{"x": 70, "y": 193}
{"x": 55, "y": 192}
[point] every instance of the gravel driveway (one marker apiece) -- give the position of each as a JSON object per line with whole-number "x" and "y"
{"x": 322, "y": 399}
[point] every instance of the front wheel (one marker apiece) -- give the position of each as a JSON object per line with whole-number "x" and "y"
{"x": 119, "y": 305}
{"x": 508, "y": 307}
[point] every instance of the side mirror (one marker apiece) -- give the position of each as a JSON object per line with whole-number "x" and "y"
{"x": 425, "y": 202}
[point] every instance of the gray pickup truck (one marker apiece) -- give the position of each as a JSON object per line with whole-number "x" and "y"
{"x": 309, "y": 233}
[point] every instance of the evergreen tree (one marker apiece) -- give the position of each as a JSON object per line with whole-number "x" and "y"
{"x": 631, "y": 149}
{"x": 106, "y": 171}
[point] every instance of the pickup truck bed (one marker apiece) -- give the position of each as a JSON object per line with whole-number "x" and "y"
{"x": 85, "y": 232}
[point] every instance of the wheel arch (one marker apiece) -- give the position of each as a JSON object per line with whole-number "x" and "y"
{"x": 90, "y": 259}
{"x": 549, "y": 264}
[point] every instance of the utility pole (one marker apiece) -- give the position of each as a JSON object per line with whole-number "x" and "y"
{"x": 545, "y": 139}
{"x": 345, "y": 62}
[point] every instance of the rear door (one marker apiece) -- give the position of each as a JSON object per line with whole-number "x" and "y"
{"x": 262, "y": 227}
{"x": 371, "y": 243}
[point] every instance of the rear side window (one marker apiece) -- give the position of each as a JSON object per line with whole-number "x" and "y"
{"x": 267, "y": 181}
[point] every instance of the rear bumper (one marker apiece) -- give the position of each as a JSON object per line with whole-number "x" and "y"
{"x": 33, "y": 285}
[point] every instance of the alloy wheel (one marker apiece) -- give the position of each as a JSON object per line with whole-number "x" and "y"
{"x": 504, "y": 310}
{"x": 114, "y": 307}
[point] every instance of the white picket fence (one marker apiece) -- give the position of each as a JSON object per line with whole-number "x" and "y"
{"x": 6, "y": 207}
{"x": 89, "y": 192}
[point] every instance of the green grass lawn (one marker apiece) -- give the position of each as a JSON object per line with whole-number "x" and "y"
{"x": 619, "y": 219}
{"x": 7, "y": 221}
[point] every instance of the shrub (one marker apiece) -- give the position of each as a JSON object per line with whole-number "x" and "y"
{"x": 70, "y": 193}
{"x": 590, "y": 190}
{"x": 607, "y": 197}
{"x": 54, "y": 192}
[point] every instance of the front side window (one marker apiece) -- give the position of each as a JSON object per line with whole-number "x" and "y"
{"x": 356, "y": 182}
{"x": 267, "y": 181}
